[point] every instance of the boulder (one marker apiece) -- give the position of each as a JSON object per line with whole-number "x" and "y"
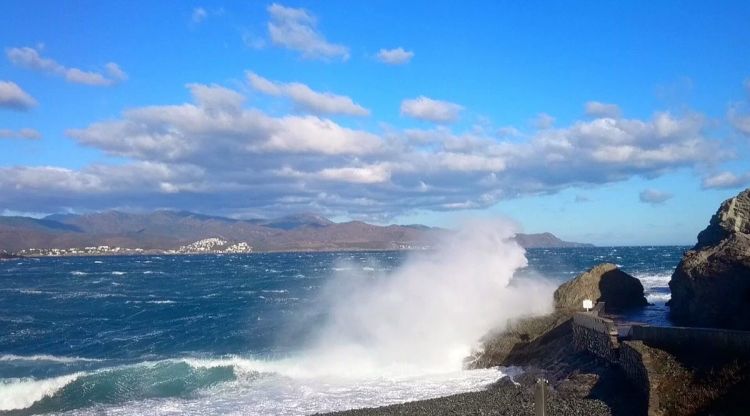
{"x": 711, "y": 284}
{"x": 603, "y": 283}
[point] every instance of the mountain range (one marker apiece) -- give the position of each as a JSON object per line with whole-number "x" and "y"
{"x": 163, "y": 230}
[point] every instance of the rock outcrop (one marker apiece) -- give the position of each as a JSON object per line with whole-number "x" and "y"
{"x": 541, "y": 340}
{"x": 711, "y": 285}
{"x": 603, "y": 283}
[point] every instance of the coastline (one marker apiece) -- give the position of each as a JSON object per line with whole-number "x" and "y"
{"x": 604, "y": 394}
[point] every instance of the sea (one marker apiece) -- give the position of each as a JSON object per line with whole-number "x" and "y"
{"x": 272, "y": 333}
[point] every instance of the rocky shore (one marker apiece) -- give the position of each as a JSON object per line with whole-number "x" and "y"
{"x": 660, "y": 371}
{"x": 501, "y": 398}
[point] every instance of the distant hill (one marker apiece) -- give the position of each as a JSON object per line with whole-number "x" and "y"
{"x": 546, "y": 240}
{"x": 164, "y": 230}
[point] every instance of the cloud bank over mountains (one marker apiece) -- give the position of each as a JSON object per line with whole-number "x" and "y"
{"x": 219, "y": 154}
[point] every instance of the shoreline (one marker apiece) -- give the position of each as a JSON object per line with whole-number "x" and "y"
{"x": 603, "y": 394}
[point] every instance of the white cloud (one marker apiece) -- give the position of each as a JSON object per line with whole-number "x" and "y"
{"x": 199, "y": 15}
{"x": 215, "y": 154}
{"x": 599, "y": 109}
{"x": 296, "y": 29}
{"x": 312, "y": 134}
{"x": 724, "y": 180}
{"x": 424, "y": 108}
{"x": 397, "y": 56}
{"x": 306, "y": 98}
{"x": 115, "y": 72}
{"x": 28, "y": 134}
{"x": 215, "y": 98}
{"x": 365, "y": 175}
{"x": 31, "y": 59}
{"x": 181, "y": 132}
{"x": 14, "y": 98}
{"x": 654, "y": 197}
{"x": 544, "y": 121}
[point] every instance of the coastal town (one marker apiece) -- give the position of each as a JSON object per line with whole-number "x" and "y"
{"x": 205, "y": 246}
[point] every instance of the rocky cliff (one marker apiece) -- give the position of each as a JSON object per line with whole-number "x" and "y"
{"x": 711, "y": 284}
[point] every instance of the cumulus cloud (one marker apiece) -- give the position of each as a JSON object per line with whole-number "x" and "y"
{"x": 654, "y": 197}
{"x": 598, "y": 109}
{"x": 215, "y": 124}
{"x": 14, "y": 98}
{"x": 423, "y": 108}
{"x": 725, "y": 180}
{"x": 30, "y": 58}
{"x": 306, "y": 98}
{"x": 215, "y": 153}
{"x": 397, "y": 56}
{"x": 28, "y": 134}
{"x": 296, "y": 29}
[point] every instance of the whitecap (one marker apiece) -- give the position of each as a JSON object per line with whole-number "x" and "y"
{"x": 20, "y": 393}
{"x": 47, "y": 357}
{"x": 658, "y": 297}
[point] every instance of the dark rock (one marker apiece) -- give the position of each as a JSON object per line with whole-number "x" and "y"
{"x": 711, "y": 285}
{"x": 603, "y": 283}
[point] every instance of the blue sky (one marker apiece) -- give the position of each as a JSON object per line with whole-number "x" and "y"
{"x": 607, "y": 122}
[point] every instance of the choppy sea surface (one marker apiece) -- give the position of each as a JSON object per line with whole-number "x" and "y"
{"x": 217, "y": 334}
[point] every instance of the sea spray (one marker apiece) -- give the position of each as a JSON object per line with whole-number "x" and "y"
{"x": 425, "y": 316}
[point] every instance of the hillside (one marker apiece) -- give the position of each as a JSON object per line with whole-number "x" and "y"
{"x": 163, "y": 230}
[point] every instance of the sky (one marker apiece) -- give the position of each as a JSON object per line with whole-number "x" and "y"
{"x": 608, "y": 122}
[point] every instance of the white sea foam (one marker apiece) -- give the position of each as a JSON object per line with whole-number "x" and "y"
{"x": 658, "y": 297}
{"x": 262, "y": 387}
{"x": 654, "y": 280}
{"x": 20, "y": 393}
{"x": 46, "y": 357}
{"x": 119, "y": 273}
{"x": 651, "y": 285}
{"x": 78, "y": 273}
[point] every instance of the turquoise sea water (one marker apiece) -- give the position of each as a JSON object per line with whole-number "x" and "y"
{"x": 222, "y": 333}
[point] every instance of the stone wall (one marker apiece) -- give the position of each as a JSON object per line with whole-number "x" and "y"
{"x": 631, "y": 363}
{"x": 644, "y": 359}
{"x": 736, "y": 343}
{"x": 596, "y": 335}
